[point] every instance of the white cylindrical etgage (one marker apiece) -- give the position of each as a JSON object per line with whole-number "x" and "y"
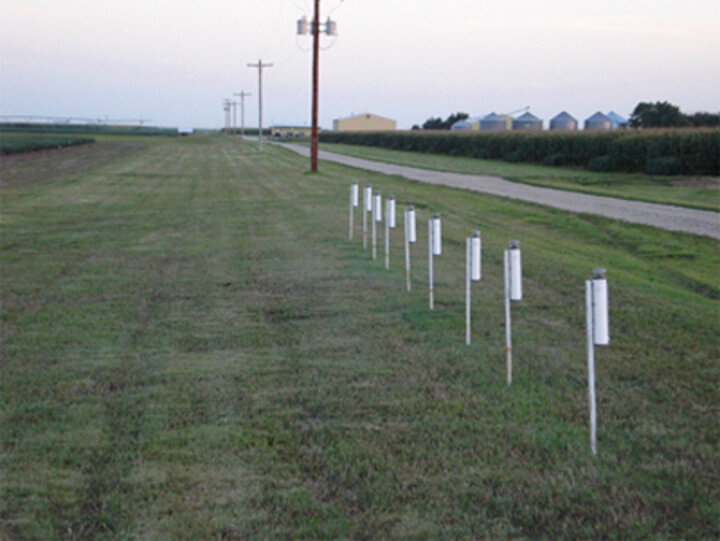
{"x": 437, "y": 235}
{"x": 476, "y": 256}
{"x": 591, "y": 365}
{"x": 376, "y": 217}
{"x": 601, "y": 326}
{"x": 515, "y": 271}
{"x": 408, "y": 285}
{"x": 468, "y": 279}
{"x": 411, "y": 224}
{"x": 377, "y": 207}
{"x": 367, "y": 198}
{"x": 390, "y": 211}
{"x": 353, "y": 204}
{"x": 431, "y": 245}
{"x": 508, "y": 317}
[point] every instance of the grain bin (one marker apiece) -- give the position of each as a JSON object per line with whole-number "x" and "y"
{"x": 493, "y": 122}
{"x": 618, "y": 122}
{"x": 528, "y": 122}
{"x": 564, "y": 121}
{"x": 469, "y": 124}
{"x": 598, "y": 122}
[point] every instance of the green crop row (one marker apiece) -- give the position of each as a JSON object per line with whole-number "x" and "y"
{"x": 688, "y": 152}
{"x": 15, "y": 143}
{"x": 99, "y": 129}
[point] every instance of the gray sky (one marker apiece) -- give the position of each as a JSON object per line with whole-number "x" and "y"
{"x": 173, "y": 61}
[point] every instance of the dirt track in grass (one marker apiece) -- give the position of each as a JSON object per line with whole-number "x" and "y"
{"x": 44, "y": 165}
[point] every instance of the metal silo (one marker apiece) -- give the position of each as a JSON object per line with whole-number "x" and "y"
{"x": 493, "y": 122}
{"x": 528, "y": 122}
{"x": 564, "y": 121}
{"x": 618, "y": 122}
{"x": 598, "y": 122}
{"x": 471, "y": 124}
{"x": 461, "y": 125}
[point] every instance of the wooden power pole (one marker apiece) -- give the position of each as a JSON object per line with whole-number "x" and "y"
{"x": 260, "y": 67}
{"x": 316, "y": 71}
{"x": 242, "y": 95}
{"x": 330, "y": 30}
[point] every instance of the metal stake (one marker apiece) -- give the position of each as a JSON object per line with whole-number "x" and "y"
{"x": 430, "y": 262}
{"x": 468, "y": 273}
{"x": 351, "y": 228}
{"x": 374, "y": 235}
{"x": 589, "y": 304}
{"x": 387, "y": 236}
{"x": 407, "y": 251}
{"x": 508, "y": 322}
{"x": 365, "y": 229}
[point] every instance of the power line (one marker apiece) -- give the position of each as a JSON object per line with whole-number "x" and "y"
{"x": 272, "y": 38}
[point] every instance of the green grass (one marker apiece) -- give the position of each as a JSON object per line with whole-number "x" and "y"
{"x": 693, "y": 192}
{"x": 14, "y": 143}
{"x": 192, "y": 348}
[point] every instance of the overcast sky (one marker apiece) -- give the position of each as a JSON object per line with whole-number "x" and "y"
{"x": 173, "y": 61}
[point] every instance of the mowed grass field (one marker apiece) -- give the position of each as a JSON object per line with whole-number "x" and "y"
{"x": 193, "y": 349}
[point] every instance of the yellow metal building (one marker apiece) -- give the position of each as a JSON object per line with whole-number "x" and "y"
{"x": 365, "y": 122}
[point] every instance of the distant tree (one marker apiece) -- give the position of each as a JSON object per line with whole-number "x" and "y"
{"x": 452, "y": 119}
{"x": 415, "y": 127}
{"x": 658, "y": 115}
{"x": 705, "y": 119}
{"x": 433, "y": 123}
{"x": 438, "y": 123}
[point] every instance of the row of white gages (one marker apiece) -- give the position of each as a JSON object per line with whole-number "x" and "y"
{"x": 596, "y": 290}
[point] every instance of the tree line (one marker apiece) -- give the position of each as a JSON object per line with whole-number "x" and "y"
{"x": 663, "y": 114}
{"x": 437, "y": 123}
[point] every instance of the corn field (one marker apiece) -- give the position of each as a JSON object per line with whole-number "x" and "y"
{"x": 663, "y": 152}
{"x": 15, "y": 143}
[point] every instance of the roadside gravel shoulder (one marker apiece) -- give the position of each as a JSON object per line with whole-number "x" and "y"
{"x": 672, "y": 218}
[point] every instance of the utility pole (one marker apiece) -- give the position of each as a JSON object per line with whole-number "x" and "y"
{"x": 330, "y": 30}
{"x": 242, "y": 95}
{"x": 316, "y": 72}
{"x": 234, "y": 114}
{"x": 226, "y": 108}
{"x": 260, "y": 67}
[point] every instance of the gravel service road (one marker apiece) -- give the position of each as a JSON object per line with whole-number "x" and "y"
{"x": 672, "y": 218}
